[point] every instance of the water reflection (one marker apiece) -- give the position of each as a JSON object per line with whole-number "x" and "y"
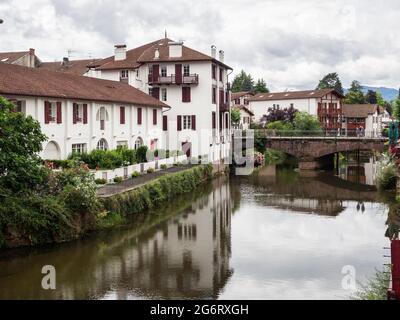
{"x": 277, "y": 234}
{"x": 359, "y": 168}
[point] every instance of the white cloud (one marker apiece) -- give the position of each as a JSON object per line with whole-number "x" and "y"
{"x": 291, "y": 44}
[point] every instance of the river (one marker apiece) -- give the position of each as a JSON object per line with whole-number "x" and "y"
{"x": 277, "y": 234}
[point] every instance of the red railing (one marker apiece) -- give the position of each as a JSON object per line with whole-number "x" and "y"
{"x": 172, "y": 79}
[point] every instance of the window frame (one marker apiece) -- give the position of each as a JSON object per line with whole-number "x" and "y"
{"x": 186, "y": 70}
{"x": 164, "y": 94}
{"x": 187, "y": 122}
{"x": 79, "y": 148}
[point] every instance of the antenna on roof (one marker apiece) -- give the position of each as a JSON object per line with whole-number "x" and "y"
{"x": 165, "y": 34}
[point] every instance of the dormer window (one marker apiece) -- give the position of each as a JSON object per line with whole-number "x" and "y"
{"x": 124, "y": 74}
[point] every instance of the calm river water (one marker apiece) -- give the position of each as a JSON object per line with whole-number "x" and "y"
{"x": 274, "y": 235}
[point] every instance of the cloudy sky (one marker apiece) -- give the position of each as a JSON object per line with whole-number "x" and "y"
{"x": 289, "y": 43}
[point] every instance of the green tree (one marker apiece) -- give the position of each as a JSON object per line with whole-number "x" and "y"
{"x": 306, "y": 122}
{"x": 20, "y": 142}
{"x": 242, "y": 82}
{"x": 371, "y": 97}
{"x": 331, "y": 81}
{"x": 355, "y": 94}
{"x": 235, "y": 115}
{"x": 379, "y": 99}
{"x": 396, "y": 109}
{"x": 261, "y": 86}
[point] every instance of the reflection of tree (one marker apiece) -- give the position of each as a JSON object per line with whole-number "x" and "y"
{"x": 393, "y": 222}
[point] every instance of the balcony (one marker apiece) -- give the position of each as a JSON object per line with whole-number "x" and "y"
{"x": 173, "y": 79}
{"x": 223, "y": 107}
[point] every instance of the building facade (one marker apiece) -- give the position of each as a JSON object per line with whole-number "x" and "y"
{"x": 80, "y": 114}
{"x": 325, "y": 104}
{"x": 240, "y": 100}
{"x": 194, "y": 84}
{"x": 372, "y": 118}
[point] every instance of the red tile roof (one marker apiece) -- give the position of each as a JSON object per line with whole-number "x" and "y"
{"x": 244, "y": 108}
{"x": 288, "y": 95}
{"x": 77, "y": 67}
{"x": 145, "y": 54}
{"x": 10, "y": 57}
{"x": 237, "y": 95}
{"x": 360, "y": 110}
{"x": 17, "y": 80}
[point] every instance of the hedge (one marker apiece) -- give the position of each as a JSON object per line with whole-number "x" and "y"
{"x": 158, "y": 191}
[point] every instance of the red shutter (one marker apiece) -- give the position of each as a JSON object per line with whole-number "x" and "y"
{"x": 59, "y": 112}
{"x": 214, "y": 122}
{"x": 85, "y": 114}
{"x": 178, "y": 73}
{"x": 193, "y": 122}
{"x": 154, "y": 116}
{"x": 46, "y": 112}
{"x": 156, "y": 93}
{"x": 74, "y": 113}
{"x": 139, "y": 115}
{"x": 185, "y": 94}
{"x": 226, "y": 120}
{"x": 179, "y": 123}
{"x": 165, "y": 123}
{"x": 156, "y": 72}
{"x": 122, "y": 115}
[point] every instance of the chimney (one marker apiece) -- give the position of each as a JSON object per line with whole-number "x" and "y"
{"x": 175, "y": 49}
{"x": 65, "y": 62}
{"x": 221, "y": 55}
{"x": 213, "y": 51}
{"x": 120, "y": 52}
{"x": 31, "y": 57}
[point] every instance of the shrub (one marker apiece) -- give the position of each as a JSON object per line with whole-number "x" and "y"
{"x": 163, "y": 166}
{"x": 135, "y": 174}
{"x": 141, "y": 154}
{"x": 100, "y": 181}
{"x": 387, "y": 177}
{"x": 150, "y": 170}
{"x": 161, "y": 153}
{"x": 118, "y": 179}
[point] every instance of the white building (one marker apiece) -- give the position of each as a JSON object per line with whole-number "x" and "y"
{"x": 21, "y": 58}
{"x": 81, "y": 114}
{"x": 194, "y": 84}
{"x": 240, "y": 100}
{"x": 371, "y": 117}
{"x": 325, "y": 104}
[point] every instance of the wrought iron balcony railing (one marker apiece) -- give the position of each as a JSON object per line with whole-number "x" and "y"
{"x": 173, "y": 79}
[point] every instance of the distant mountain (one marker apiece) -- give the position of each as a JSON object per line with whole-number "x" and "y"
{"x": 388, "y": 94}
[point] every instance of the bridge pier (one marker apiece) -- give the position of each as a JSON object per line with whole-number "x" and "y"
{"x": 326, "y": 162}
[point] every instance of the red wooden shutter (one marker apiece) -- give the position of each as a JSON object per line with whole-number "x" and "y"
{"x": 139, "y": 115}
{"x": 226, "y": 120}
{"x": 221, "y": 97}
{"x": 85, "y": 114}
{"x": 214, "y": 122}
{"x": 74, "y": 113}
{"x": 178, "y": 73}
{"x": 165, "y": 123}
{"x": 156, "y": 93}
{"x": 59, "y": 112}
{"x": 46, "y": 112}
{"x": 154, "y": 116}
{"x": 179, "y": 123}
{"x": 122, "y": 115}
{"x": 156, "y": 72}
{"x": 185, "y": 94}
{"x": 193, "y": 122}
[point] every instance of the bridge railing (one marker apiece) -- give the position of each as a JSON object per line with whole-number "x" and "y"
{"x": 309, "y": 133}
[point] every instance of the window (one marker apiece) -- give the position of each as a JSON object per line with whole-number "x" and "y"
{"x": 150, "y": 91}
{"x": 221, "y": 73}
{"x": 122, "y": 115}
{"x": 214, "y": 71}
{"x": 138, "y": 142}
{"x": 20, "y": 106}
{"x": 77, "y": 109}
{"x": 163, "y": 71}
{"x": 137, "y": 73}
{"x": 122, "y": 144}
{"x": 102, "y": 116}
{"x": 102, "y": 145}
{"x": 185, "y": 94}
{"x": 292, "y": 105}
{"x": 53, "y": 112}
{"x": 150, "y": 72}
{"x": 186, "y": 70}
{"x": 164, "y": 94}
{"x": 187, "y": 122}
{"x": 79, "y": 148}
{"x": 154, "y": 116}
{"x": 139, "y": 116}
{"x": 124, "y": 74}
{"x": 214, "y": 95}
{"x": 246, "y": 102}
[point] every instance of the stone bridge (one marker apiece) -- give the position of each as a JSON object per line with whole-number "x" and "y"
{"x": 316, "y": 152}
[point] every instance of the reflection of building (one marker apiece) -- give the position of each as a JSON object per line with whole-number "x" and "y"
{"x": 189, "y": 257}
{"x": 240, "y": 100}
